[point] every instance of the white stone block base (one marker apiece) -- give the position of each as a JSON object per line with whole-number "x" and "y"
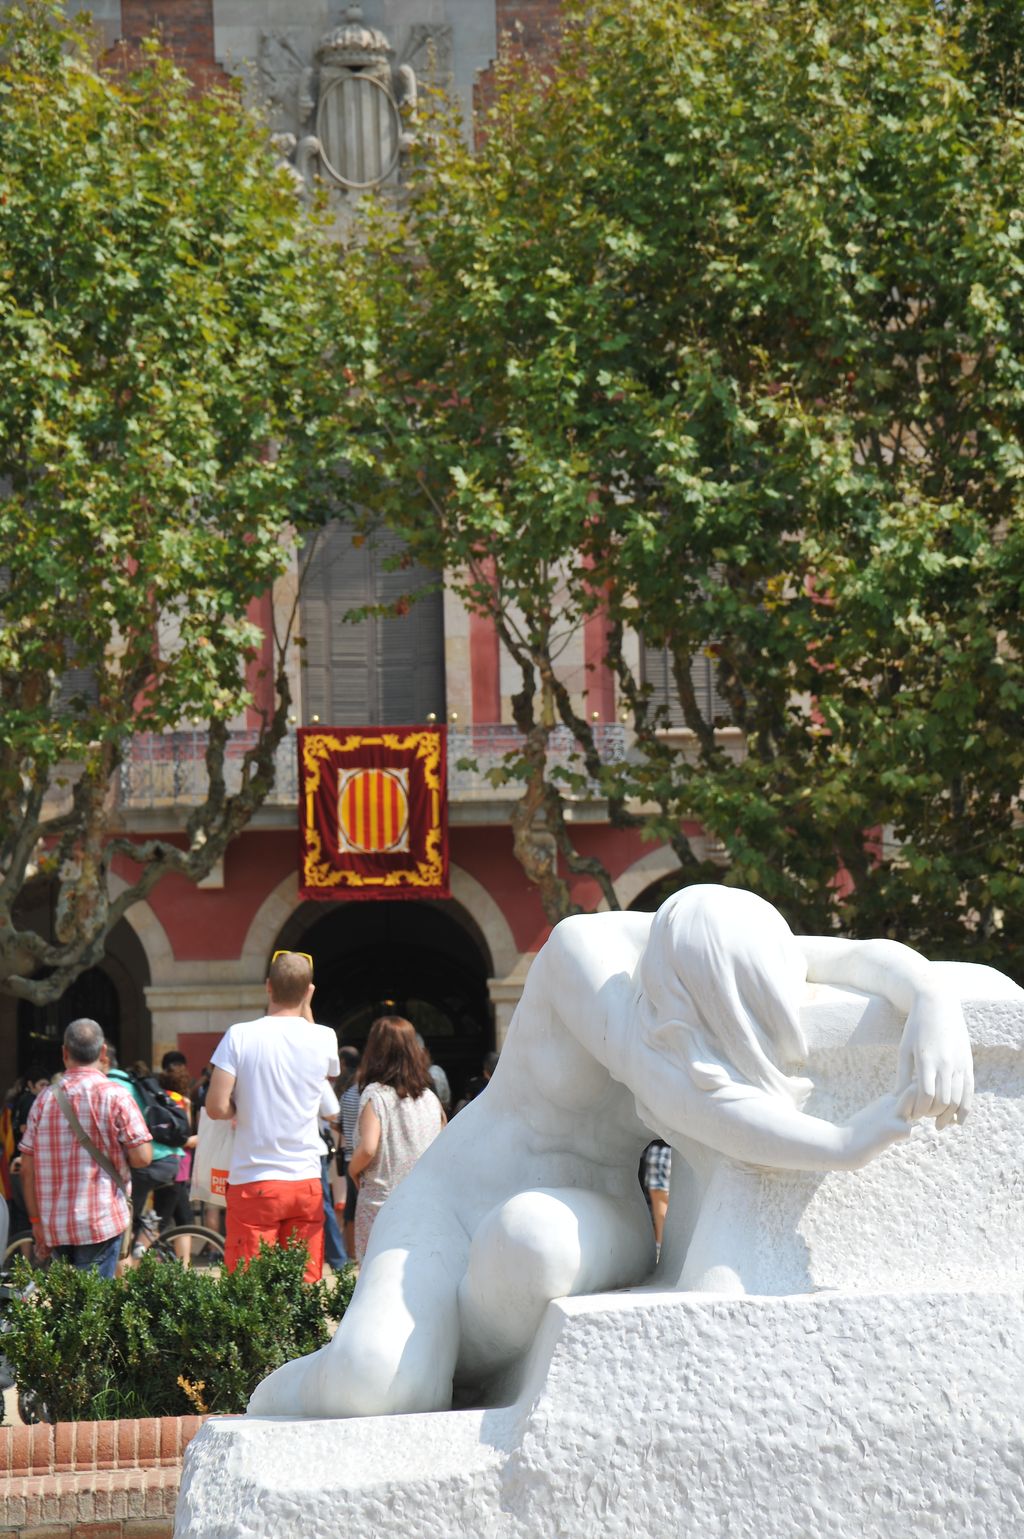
{"x": 831, "y": 1415}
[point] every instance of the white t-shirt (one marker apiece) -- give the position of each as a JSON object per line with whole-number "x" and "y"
{"x": 329, "y": 1112}
{"x": 280, "y": 1064}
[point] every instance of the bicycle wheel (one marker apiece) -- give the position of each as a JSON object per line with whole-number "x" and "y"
{"x": 22, "y": 1245}
{"x": 204, "y": 1250}
{"x": 32, "y": 1408}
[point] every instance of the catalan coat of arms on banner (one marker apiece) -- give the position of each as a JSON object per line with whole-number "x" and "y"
{"x": 373, "y": 812}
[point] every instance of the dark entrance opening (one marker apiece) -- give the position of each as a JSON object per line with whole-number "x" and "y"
{"x": 41, "y": 1027}
{"x": 426, "y": 961}
{"x": 652, "y": 897}
{"x": 112, "y": 994}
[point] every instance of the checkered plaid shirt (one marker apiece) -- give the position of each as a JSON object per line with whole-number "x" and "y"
{"x": 78, "y": 1202}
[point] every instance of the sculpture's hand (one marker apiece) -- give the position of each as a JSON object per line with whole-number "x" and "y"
{"x": 935, "y": 1052}
{"x": 884, "y": 1122}
{"x": 935, "y": 1058}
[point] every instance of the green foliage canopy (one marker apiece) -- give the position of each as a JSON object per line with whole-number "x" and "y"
{"x": 168, "y": 406}
{"x": 720, "y": 330}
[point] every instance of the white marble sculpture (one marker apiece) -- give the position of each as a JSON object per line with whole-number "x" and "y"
{"x": 685, "y": 1025}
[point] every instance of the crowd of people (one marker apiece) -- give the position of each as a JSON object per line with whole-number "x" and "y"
{"x": 321, "y": 1136}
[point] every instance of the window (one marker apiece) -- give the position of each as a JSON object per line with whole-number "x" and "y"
{"x": 378, "y": 670}
{"x": 78, "y": 692}
{"x": 657, "y": 672}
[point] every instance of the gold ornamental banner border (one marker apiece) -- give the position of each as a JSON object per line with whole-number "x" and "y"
{"x": 425, "y": 747}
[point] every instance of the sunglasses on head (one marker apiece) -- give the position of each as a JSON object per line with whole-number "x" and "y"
{"x": 287, "y": 953}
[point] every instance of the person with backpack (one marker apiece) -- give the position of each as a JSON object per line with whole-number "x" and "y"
{"x": 170, "y": 1126}
{"x": 175, "y": 1079}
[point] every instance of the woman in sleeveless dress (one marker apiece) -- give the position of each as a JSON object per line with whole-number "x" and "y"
{"x": 399, "y": 1116}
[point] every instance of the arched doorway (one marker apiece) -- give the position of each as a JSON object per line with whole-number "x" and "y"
{"x": 112, "y": 994}
{"x": 41, "y": 1027}
{"x": 427, "y": 961}
{"x": 653, "y": 896}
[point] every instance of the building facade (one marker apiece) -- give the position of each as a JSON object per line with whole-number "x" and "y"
{"x": 190, "y": 961}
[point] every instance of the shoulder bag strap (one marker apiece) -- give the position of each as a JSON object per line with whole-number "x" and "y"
{"x": 86, "y": 1142}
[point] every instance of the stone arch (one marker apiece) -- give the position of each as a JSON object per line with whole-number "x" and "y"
{"x": 114, "y": 991}
{"x": 496, "y": 930}
{"x": 150, "y": 933}
{"x": 267, "y": 923}
{"x": 157, "y": 966}
{"x": 279, "y": 905}
{"x": 656, "y": 865}
{"x": 652, "y": 867}
{"x": 441, "y": 959}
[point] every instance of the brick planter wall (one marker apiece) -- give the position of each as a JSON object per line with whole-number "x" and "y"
{"x": 93, "y": 1479}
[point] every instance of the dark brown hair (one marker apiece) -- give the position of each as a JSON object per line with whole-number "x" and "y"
{"x": 178, "y": 1079}
{"x": 393, "y": 1056}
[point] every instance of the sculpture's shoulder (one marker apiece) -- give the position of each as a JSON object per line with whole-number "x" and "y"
{"x": 579, "y": 985}
{"x": 598, "y": 945}
{"x": 583, "y": 974}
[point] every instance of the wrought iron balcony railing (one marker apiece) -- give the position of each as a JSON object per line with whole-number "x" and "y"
{"x": 475, "y": 751}
{"x": 166, "y": 770}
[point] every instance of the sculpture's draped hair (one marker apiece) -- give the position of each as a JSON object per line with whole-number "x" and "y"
{"x": 720, "y": 986}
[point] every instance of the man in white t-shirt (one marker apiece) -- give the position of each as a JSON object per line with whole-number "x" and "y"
{"x": 269, "y": 1075}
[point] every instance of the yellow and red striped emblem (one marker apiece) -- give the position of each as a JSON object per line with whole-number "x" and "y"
{"x": 373, "y": 810}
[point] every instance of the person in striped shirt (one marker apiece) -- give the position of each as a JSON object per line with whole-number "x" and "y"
{"x": 76, "y": 1209}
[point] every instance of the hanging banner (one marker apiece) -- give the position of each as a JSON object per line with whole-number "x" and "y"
{"x": 373, "y": 812}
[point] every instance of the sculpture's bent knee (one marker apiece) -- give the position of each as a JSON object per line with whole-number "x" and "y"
{"x": 538, "y": 1246}
{"x": 380, "y": 1362}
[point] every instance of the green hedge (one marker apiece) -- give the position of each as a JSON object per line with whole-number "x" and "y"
{"x": 163, "y": 1340}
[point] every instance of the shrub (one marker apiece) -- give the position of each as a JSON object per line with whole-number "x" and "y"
{"x": 163, "y": 1340}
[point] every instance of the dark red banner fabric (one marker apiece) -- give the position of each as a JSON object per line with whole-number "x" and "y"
{"x": 373, "y": 812}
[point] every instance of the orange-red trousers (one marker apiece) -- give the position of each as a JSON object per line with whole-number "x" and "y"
{"x": 276, "y": 1211}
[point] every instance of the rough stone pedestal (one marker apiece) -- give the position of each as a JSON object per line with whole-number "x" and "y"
{"x": 830, "y": 1416}
{"x": 870, "y": 1385}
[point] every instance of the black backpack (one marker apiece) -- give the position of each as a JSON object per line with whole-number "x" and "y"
{"x": 167, "y": 1120}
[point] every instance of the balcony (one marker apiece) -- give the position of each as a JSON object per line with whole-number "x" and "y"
{"x": 485, "y": 747}
{"x": 167, "y": 771}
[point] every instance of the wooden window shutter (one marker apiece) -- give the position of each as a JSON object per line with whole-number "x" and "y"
{"x": 78, "y": 692}
{"x": 658, "y": 673}
{"x": 384, "y": 669}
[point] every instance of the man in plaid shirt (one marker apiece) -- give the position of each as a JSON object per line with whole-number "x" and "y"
{"x": 75, "y": 1208}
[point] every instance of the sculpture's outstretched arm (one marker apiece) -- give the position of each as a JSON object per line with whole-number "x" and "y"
{"x": 589, "y": 962}
{"x": 935, "y": 1051}
{"x": 758, "y": 1128}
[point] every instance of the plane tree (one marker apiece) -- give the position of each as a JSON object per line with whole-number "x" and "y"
{"x": 169, "y": 393}
{"x": 717, "y": 331}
